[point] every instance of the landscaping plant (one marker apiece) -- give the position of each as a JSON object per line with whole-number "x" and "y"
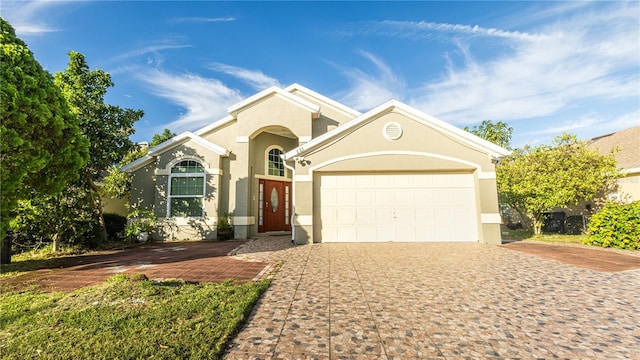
{"x": 616, "y": 226}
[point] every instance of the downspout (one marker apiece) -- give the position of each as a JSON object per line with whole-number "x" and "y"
{"x": 293, "y": 198}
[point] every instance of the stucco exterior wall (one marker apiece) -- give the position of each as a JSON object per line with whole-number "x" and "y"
{"x": 629, "y": 187}
{"x": 419, "y": 149}
{"x": 150, "y": 188}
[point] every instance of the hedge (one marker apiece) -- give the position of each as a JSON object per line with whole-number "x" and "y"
{"x": 616, "y": 226}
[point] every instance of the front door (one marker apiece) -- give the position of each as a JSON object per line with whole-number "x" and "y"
{"x": 274, "y": 208}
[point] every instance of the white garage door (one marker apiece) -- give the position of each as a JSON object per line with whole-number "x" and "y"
{"x": 397, "y": 207}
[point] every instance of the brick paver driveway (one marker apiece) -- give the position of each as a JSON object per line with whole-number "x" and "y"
{"x": 448, "y": 301}
{"x": 197, "y": 261}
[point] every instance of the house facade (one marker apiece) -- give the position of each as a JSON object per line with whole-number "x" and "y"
{"x": 293, "y": 160}
{"x": 626, "y": 146}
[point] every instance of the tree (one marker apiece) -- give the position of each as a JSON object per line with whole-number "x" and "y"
{"x": 41, "y": 144}
{"x": 160, "y": 138}
{"x": 118, "y": 183}
{"x": 535, "y": 180}
{"x": 106, "y": 127}
{"x": 498, "y": 133}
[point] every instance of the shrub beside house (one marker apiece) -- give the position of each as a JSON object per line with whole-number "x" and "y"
{"x": 626, "y": 147}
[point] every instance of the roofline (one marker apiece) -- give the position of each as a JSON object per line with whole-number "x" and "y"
{"x": 179, "y": 139}
{"x": 169, "y": 144}
{"x": 340, "y": 106}
{"x": 492, "y": 149}
{"x": 218, "y": 123}
{"x": 309, "y": 106}
{"x": 137, "y": 164}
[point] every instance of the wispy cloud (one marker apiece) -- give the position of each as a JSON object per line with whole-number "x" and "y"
{"x": 28, "y": 18}
{"x": 421, "y": 29}
{"x": 200, "y": 20}
{"x": 153, "y": 49}
{"x": 204, "y": 100}
{"x": 255, "y": 78}
{"x": 371, "y": 88}
{"x": 582, "y": 59}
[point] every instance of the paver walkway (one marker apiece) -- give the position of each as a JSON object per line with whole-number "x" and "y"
{"x": 197, "y": 261}
{"x": 441, "y": 301}
{"x": 592, "y": 258}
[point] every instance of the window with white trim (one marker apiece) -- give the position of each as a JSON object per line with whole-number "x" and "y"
{"x": 186, "y": 189}
{"x": 275, "y": 164}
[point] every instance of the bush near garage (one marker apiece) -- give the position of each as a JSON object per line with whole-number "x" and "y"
{"x": 616, "y": 226}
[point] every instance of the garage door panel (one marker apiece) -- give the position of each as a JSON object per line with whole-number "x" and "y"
{"x": 398, "y": 207}
{"x": 364, "y": 215}
{"x": 461, "y": 197}
{"x": 346, "y": 232}
{"x": 385, "y": 234}
{"x": 384, "y": 197}
{"x": 404, "y": 197}
{"x": 383, "y": 215}
{"x": 424, "y": 197}
{"x": 345, "y": 216}
{"x": 365, "y": 198}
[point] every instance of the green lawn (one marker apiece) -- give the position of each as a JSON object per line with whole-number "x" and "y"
{"x": 128, "y": 317}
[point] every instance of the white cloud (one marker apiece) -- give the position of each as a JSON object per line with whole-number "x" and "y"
{"x": 579, "y": 60}
{"x": 255, "y": 78}
{"x": 204, "y": 100}
{"x": 153, "y": 49}
{"x": 28, "y": 18}
{"x": 422, "y": 29}
{"x": 201, "y": 20}
{"x": 370, "y": 89}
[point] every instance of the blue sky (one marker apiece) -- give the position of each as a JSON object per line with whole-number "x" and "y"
{"x": 542, "y": 67}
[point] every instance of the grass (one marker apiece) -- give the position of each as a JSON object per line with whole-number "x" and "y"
{"x": 128, "y": 317}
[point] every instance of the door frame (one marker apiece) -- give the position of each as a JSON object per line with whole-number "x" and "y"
{"x": 285, "y": 197}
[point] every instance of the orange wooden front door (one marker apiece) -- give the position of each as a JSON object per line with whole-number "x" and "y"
{"x": 275, "y": 209}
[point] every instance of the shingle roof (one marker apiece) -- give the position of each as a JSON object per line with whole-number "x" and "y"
{"x": 628, "y": 143}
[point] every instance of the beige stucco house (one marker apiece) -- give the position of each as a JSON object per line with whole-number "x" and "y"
{"x": 626, "y": 144}
{"x": 293, "y": 160}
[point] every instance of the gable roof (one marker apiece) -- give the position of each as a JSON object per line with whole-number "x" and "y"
{"x": 627, "y": 141}
{"x": 474, "y": 141}
{"x": 216, "y": 124}
{"x": 170, "y": 144}
{"x": 295, "y": 87}
{"x": 235, "y": 109}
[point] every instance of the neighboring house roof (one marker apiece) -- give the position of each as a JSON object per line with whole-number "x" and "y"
{"x": 626, "y": 141}
{"x": 170, "y": 144}
{"x": 493, "y": 150}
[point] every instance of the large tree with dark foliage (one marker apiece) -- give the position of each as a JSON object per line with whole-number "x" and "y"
{"x": 106, "y": 127}
{"x": 42, "y": 146}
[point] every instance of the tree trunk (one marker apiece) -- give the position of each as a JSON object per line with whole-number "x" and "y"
{"x": 55, "y": 246}
{"x": 5, "y": 250}
{"x": 524, "y": 219}
{"x": 102, "y": 231}
{"x": 537, "y": 227}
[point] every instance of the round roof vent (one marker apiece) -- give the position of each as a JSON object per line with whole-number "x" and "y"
{"x": 392, "y": 131}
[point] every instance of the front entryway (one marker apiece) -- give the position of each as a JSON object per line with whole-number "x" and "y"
{"x": 274, "y": 206}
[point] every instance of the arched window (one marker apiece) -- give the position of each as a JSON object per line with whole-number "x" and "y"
{"x": 186, "y": 189}
{"x": 275, "y": 165}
